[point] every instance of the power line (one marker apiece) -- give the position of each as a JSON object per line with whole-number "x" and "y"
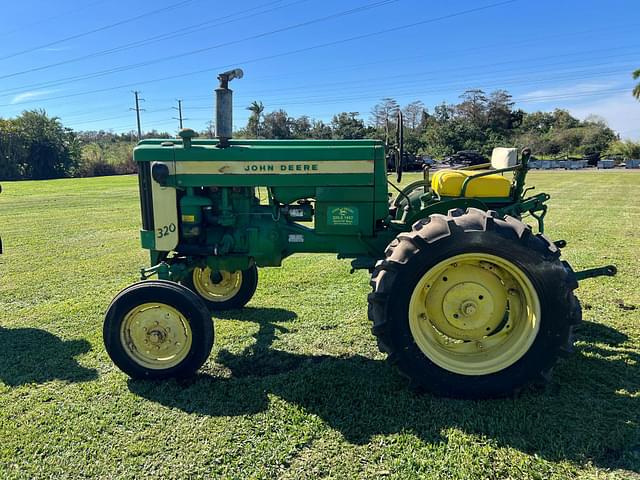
{"x": 278, "y": 55}
{"x": 67, "y": 80}
{"x": 567, "y": 96}
{"x": 392, "y": 82}
{"x": 543, "y": 98}
{"x": 132, "y": 66}
{"x": 529, "y": 79}
{"x": 99, "y": 29}
{"x": 188, "y": 30}
{"x": 524, "y": 79}
{"x": 532, "y": 99}
{"x": 75, "y": 9}
{"x": 528, "y": 99}
{"x": 117, "y": 117}
{"x": 97, "y": 120}
{"x": 535, "y": 67}
{"x": 370, "y": 96}
{"x": 469, "y": 50}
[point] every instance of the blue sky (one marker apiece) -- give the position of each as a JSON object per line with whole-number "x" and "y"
{"x": 81, "y": 60}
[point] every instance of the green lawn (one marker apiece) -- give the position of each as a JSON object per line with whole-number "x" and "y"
{"x": 295, "y": 387}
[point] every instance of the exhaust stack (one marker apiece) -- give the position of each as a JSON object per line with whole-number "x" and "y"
{"x": 224, "y": 107}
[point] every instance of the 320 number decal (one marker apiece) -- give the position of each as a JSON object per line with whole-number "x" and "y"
{"x": 166, "y": 230}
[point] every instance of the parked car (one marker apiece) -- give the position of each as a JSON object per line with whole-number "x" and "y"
{"x": 466, "y": 158}
{"x": 410, "y": 162}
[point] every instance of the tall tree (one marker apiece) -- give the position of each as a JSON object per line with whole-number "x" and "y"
{"x": 413, "y": 113}
{"x": 383, "y": 116}
{"x": 564, "y": 120}
{"x": 49, "y": 150}
{"x": 253, "y": 125}
{"x": 473, "y": 107}
{"x": 12, "y": 151}
{"x": 277, "y": 125}
{"x": 210, "y": 132}
{"x": 347, "y": 125}
{"x": 320, "y": 130}
{"x": 301, "y": 127}
{"x": 500, "y": 114}
{"x": 636, "y": 89}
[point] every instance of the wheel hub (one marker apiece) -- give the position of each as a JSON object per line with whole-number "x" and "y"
{"x": 216, "y": 286}
{"x": 466, "y": 302}
{"x": 156, "y": 335}
{"x": 468, "y": 309}
{"x": 474, "y": 313}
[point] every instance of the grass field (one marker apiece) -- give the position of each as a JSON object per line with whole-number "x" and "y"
{"x": 295, "y": 387}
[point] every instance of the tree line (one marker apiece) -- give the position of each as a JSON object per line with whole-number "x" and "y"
{"x": 36, "y": 146}
{"x": 479, "y": 121}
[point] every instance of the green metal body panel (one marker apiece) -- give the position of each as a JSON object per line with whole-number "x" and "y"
{"x": 223, "y": 223}
{"x": 201, "y": 204}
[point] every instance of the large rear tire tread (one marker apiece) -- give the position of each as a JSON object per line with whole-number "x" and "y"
{"x": 438, "y": 237}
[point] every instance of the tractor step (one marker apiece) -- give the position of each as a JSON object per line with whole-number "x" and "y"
{"x": 363, "y": 263}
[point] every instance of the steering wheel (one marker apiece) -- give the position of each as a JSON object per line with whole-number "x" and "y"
{"x": 399, "y": 153}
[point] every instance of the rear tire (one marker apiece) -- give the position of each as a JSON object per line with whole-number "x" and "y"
{"x": 230, "y": 291}
{"x": 158, "y": 329}
{"x": 528, "y": 310}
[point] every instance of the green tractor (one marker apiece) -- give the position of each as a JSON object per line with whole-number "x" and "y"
{"x": 467, "y": 300}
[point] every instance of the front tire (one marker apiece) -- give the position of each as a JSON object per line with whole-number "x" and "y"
{"x": 157, "y": 329}
{"x": 473, "y": 306}
{"x": 223, "y": 290}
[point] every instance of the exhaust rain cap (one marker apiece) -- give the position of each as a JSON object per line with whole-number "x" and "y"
{"x": 224, "y": 107}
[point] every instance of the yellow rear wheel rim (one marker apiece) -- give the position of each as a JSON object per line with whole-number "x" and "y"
{"x": 214, "y": 288}
{"x": 156, "y": 335}
{"x": 474, "y": 314}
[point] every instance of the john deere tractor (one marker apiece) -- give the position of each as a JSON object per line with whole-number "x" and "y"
{"x": 467, "y": 300}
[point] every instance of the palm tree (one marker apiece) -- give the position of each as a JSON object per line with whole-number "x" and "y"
{"x": 253, "y": 126}
{"x": 636, "y": 90}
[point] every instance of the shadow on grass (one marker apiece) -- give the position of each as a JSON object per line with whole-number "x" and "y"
{"x": 30, "y": 355}
{"x": 586, "y": 415}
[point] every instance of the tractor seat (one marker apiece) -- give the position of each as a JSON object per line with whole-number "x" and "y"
{"x": 448, "y": 183}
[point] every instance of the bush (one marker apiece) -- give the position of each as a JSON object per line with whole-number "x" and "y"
{"x": 128, "y": 166}
{"x": 96, "y": 168}
{"x": 103, "y": 159}
{"x": 35, "y": 146}
{"x": 627, "y": 148}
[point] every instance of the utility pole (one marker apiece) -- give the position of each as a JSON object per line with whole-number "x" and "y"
{"x": 138, "y": 110}
{"x": 179, "y": 109}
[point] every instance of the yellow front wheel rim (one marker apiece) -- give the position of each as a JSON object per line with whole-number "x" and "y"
{"x": 156, "y": 335}
{"x": 218, "y": 287}
{"x": 474, "y": 314}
